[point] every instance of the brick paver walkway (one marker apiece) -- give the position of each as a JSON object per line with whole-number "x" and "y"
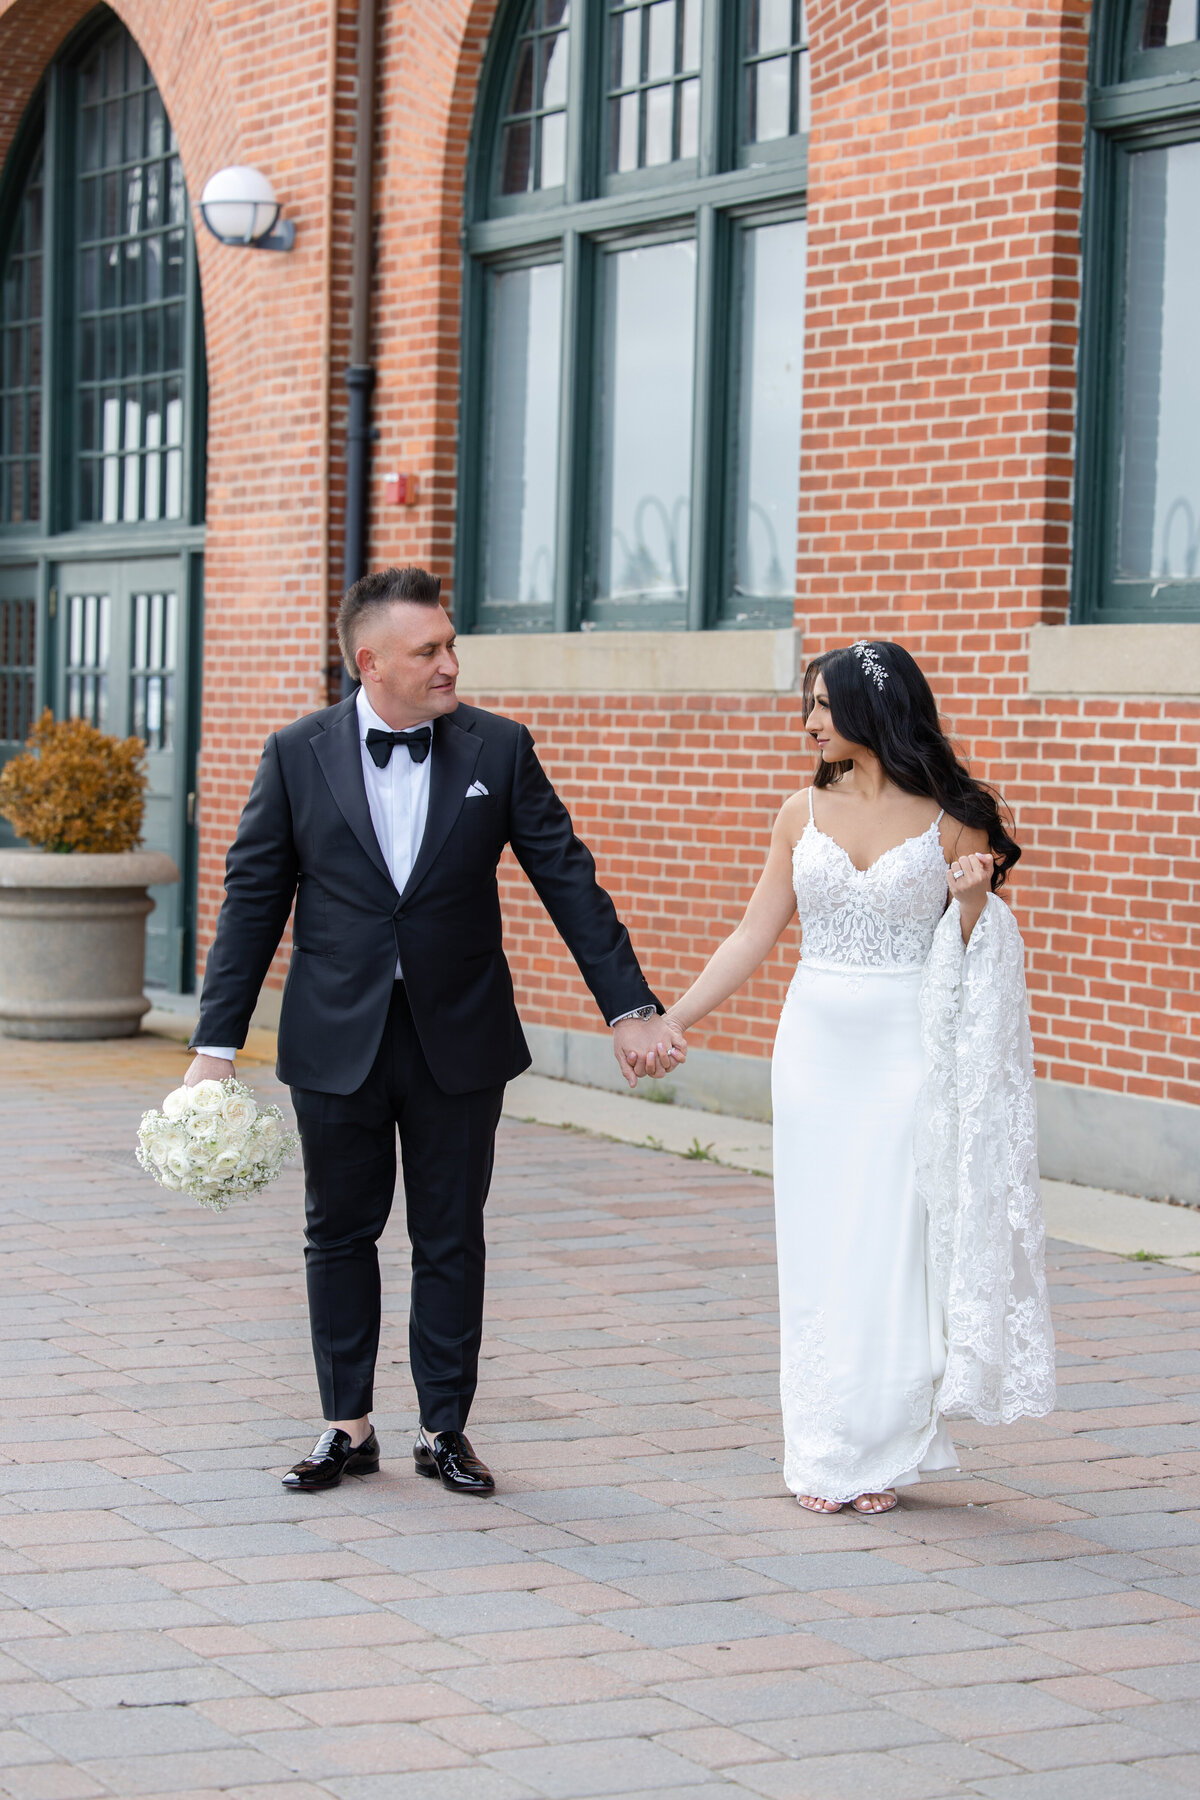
{"x": 642, "y": 1608}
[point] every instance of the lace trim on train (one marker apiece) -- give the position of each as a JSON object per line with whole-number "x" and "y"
{"x": 977, "y": 1172}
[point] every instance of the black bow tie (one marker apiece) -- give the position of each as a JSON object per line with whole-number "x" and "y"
{"x": 380, "y": 744}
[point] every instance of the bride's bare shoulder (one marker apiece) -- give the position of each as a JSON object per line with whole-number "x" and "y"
{"x": 962, "y": 840}
{"x": 793, "y": 816}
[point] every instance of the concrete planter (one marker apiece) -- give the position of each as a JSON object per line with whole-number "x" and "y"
{"x": 73, "y": 941}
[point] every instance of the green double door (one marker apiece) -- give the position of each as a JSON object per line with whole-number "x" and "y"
{"x": 123, "y": 657}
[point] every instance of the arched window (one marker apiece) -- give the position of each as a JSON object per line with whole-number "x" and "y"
{"x": 1137, "y": 551}
{"x": 634, "y": 317}
{"x": 102, "y": 408}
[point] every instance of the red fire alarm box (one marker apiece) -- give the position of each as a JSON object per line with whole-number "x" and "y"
{"x": 400, "y": 490}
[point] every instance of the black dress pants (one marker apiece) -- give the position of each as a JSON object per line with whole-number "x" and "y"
{"x": 447, "y": 1146}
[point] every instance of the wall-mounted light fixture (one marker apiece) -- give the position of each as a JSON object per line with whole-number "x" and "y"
{"x": 239, "y": 207}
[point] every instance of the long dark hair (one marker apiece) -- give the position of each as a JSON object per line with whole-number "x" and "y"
{"x": 879, "y": 698}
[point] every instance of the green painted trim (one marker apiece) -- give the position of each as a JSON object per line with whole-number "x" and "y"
{"x": 99, "y": 541}
{"x": 59, "y": 511}
{"x": 708, "y": 395}
{"x": 574, "y": 432}
{"x": 190, "y": 689}
{"x": 1142, "y": 104}
{"x": 1123, "y": 116}
{"x": 584, "y": 106}
{"x": 56, "y": 540}
{"x": 612, "y": 214}
{"x": 472, "y": 423}
{"x": 29, "y": 138}
{"x": 596, "y": 212}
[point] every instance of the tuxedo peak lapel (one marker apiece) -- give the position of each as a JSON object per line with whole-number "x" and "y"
{"x": 339, "y": 753}
{"x": 451, "y": 771}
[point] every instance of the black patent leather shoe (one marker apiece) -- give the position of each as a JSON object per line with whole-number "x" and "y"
{"x": 448, "y": 1457}
{"x": 333, "y": 1456}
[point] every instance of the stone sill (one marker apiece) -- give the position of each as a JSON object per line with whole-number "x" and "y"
{"x": 631, "y": 662}
{"x": 1118, "y": 660}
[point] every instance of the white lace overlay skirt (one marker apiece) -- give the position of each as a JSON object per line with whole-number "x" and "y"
{"x": 861, "y": 1338}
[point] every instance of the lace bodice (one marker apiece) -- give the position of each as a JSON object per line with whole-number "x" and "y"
{"x": 883, "y": 917}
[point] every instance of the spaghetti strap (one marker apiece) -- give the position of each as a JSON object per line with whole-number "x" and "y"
{"x": 811, "y": 819}
{"x": 940, "y": 816}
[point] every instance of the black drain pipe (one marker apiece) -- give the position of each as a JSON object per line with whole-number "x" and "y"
{"x": 360, "y": 375}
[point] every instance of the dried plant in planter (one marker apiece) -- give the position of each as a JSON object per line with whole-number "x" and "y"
{"x": 75, "y": 788}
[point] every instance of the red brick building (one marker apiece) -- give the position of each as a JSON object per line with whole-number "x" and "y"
{"x": 708, "y": 335}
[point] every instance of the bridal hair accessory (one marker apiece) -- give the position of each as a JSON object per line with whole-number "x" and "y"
{"x": 869, "y": 663}
{"x": 212, "y": 1142}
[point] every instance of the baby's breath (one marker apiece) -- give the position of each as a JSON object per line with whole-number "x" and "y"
{"x": 211, "y": 1141}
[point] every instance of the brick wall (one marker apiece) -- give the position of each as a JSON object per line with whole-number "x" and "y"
{"x": 934, "y": 492}
{"x": 935, "y": 502}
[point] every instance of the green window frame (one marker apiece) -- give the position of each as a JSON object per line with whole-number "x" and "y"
{"x": 683, "y": 127}
{"x": 103, "y": 408}
{"x": 99, "y": 307}
{"x": 1136, "y": 542}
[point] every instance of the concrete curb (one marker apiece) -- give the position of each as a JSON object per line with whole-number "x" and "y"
{"x": 1094, "y": 1218}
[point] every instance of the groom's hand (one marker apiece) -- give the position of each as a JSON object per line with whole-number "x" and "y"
{"x": 647, "y": 1047}
{"x": 208, "y": 1068}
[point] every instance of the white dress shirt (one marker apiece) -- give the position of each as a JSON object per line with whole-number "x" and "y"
{"x": 398, "y": 796}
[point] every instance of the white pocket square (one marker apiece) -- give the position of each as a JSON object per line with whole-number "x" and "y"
{"x": 476, "y": 788}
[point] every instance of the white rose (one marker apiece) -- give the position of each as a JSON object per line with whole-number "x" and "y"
{"x": 269, "y": 1134}
{"x": 177, "y": 1102}
{"x": 224, "y": 1164}
{"x": 238, "y": 1111}
{"x": 178, "y": 1163}
{"x": 156, "y": 1144}
{"x": 207, "y": 1097}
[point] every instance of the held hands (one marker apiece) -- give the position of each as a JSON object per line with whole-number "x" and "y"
{"x": 648, "y": 1047}
{"x": 208, "y": 1068}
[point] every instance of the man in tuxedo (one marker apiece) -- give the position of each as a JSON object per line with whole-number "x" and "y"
{"x": 384, "y": 818}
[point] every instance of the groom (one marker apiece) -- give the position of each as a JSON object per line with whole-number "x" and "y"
{"x": 384, "y": 818}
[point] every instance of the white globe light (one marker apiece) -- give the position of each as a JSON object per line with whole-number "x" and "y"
{"x": 238, "y": 205}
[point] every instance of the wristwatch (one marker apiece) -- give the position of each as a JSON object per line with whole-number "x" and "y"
{"x": 639, "y": 1012}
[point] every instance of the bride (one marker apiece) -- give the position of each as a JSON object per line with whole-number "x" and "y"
{"x": 908, "y": 1217}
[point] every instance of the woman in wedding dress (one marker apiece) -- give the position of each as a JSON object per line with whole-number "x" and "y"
{"x": 908, "y": 1217}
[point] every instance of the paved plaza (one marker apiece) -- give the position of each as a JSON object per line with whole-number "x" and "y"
{"x": 642, "y": 1608}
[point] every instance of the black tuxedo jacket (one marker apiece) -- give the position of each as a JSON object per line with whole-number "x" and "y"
{"x": 306, "y": 834}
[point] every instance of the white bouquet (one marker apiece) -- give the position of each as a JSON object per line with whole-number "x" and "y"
{"x": 212, "y": 1142}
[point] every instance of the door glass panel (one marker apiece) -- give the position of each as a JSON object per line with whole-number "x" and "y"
{"x": 777, "y": 102}
{"x": 768, "y": 435}
{"x": 18, "y": 669}
{"x": 1159, "y": 511}
{"x": 88, "y": 635}
{"x": 21, "y": 367}
{"x": 18, "y": 644}
{"x": 533, "y": 132}
{"x": 654, "y": 82}
{"x": 522, "y": 441}
{"x": 155, "y": 633}
{"x": 132, "y": 229}
{"x": 646, "y": 428}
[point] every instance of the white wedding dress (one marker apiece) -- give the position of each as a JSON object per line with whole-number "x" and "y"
{"x": 911, "y": 1284}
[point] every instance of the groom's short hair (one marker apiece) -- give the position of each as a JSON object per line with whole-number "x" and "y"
{"x": 376, "y": 590}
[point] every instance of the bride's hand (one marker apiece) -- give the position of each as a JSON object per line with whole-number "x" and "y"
{"x": 651, "y": 1047}
{"x": 969, "y": 879}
